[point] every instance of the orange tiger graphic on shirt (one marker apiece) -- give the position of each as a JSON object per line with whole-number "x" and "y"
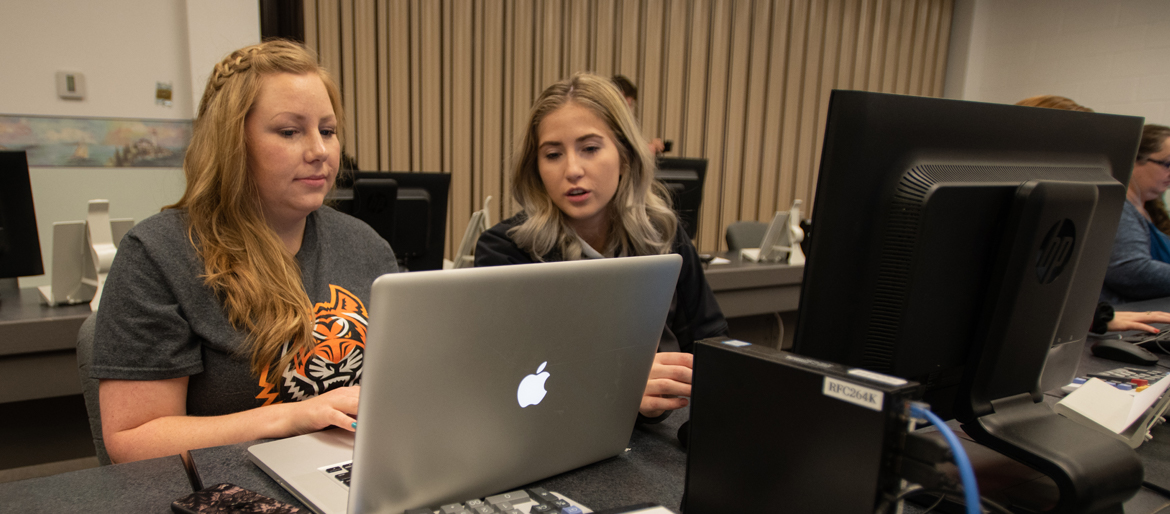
{"x": 336, "y": 358}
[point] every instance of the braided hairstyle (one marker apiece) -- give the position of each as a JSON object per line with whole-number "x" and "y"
{"x": 245, "y": 263}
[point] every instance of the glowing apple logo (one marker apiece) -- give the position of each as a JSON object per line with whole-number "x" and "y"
{"x": 531, "y": 390}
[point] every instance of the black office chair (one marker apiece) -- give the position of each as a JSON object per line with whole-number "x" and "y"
{"x": 89, "y": 388}
{"x": 745, "y": 234}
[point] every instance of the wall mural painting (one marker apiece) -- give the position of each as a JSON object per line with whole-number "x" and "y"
{"x": 96, "y": 142}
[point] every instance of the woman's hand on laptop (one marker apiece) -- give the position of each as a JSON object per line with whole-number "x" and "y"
{"x": 670, "y": 379}
{"x": 334, "y": 408}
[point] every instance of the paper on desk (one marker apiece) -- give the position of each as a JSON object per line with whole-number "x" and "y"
{"x": 751, "y": 254}
{"x": 720, "y": 260}
{"x": 1108, "y": 406}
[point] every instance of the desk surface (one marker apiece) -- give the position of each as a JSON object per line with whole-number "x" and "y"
{"x": 25, "y": 321}
{"x": 653, "y": 470}
{"x": 37, "y": 352}
{"x": 750, "y": 288}
{"x": 145, "y": 486}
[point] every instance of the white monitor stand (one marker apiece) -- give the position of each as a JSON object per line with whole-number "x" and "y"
{"x": 782, "y": 239}
{"x": 480, "y": 222}
{"x": 82, "y": 254}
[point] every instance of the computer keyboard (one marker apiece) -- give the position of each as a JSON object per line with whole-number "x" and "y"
{"x": 1153, "y": 342}
{"x": 534, "y": 500}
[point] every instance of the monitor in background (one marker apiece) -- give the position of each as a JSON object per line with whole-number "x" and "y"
{"x": 374, "y": 202}
{"x": 684, "y": 179}
{"x": 20, "y": 244}
{"x": 964, "y": 242}
{"x": 420, "y": 214}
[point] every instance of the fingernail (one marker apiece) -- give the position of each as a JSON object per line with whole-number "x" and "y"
{"x": 354, "y": 424}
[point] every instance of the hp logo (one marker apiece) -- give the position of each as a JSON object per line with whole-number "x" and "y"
{"x": 1055, "y": 251}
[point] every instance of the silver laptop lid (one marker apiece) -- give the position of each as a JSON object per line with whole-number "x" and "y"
{"x": 484, "y": 379}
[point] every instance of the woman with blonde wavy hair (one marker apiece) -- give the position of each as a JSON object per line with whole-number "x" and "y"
{"x": 583, "y": 177}
{"x": 238, "y": 313}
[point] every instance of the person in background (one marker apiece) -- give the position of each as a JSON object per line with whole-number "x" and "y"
{"x": 630, "y": 93}
{"x": 1139, "y": 268}
{"x": 583, "y": 177}
{"x": 238, "y": 313}
{"x": 1106, "y": 319}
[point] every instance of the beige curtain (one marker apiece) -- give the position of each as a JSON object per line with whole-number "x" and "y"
{"x": 444, "y": 85}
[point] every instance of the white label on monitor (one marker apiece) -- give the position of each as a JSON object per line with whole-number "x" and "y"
{"x": 877, "y": 377}
{"x": 853, "y": 393}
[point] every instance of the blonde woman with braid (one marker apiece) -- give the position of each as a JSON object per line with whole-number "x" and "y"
{"x": 239, "y": 312}
{"x": 583, "y": 177}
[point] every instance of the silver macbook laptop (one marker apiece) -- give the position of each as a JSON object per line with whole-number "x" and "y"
{"x": 484, "y": 379}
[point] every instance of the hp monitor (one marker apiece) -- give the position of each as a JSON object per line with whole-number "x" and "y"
{"x": 958, "y": 244}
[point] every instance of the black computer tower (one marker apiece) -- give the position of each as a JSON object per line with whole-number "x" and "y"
{"x": 772, "y": 431}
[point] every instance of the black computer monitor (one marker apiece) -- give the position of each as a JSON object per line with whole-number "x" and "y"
{"x": 684, "y": 179}
{"x": 420, "y": 214}
{"x": 375, "y": 201}
{"x": 957, "y": 243}
{"x": 20, "y": 244}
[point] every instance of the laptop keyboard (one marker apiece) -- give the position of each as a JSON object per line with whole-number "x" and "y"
{"x": 533, "y": 500}
{"x": 339, "y": 472}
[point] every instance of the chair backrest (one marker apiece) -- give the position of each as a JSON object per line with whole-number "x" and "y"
{"x": 745, "y": 234}
{"x": 89, "y": 387}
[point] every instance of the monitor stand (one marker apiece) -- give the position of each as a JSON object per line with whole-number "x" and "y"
{"x": 999, "y": 402}
{"x": 1058, "y": 447}
{"x": 10, "y": 285}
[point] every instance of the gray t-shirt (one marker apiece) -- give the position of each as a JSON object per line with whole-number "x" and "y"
{"x": 159, "y": 321}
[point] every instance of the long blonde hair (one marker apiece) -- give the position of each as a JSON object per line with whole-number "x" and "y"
{"x": 642, "y": 222}
{"x": 245, "y": 263}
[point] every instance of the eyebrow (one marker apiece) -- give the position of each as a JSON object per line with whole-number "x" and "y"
{"x": 590, "y": 135}
{"x": 300, "y": 117}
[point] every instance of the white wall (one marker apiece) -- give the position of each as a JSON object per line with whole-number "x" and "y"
{"x": 1104, "y": 54}
{"x": 124, "y": 47}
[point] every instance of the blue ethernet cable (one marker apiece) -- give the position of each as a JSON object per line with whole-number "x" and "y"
{"x": 966, "y": 472}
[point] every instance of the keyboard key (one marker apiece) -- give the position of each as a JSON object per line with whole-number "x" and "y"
{"x": 334, "y": 469}
{"x": 452, "y": 508}
{"x": 513, "y": 497}
{"x": 484, "y": 509}
{"x": 542, "y": 493}
{"x": 541, "y": 508}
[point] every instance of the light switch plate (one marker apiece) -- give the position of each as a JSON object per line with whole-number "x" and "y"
{"x": 71, "y": 85}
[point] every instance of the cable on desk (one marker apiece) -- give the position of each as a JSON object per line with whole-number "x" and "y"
{"x": 1156, "y": 488}
{"x": 942, "y": 494}
{"x": 966, "y": 472}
